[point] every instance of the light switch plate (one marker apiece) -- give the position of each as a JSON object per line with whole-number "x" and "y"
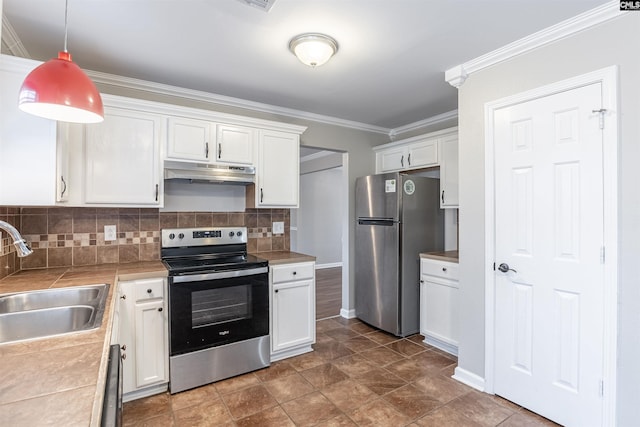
{"x": 278, "y": 227}
{"x": 109, "y": 233}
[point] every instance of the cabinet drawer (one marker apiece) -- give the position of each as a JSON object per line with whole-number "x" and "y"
{"x": 445, "y": 270}
{"x": 149, "y": 289}
{"x": 289, "y": 272}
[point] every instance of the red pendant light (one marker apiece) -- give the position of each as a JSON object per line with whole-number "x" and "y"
{"x": 60, "y": 90}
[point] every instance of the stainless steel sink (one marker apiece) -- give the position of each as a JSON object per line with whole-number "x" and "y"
{"x": 38, "y": 314}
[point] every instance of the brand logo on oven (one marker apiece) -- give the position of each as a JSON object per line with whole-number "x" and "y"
{"x": 223, "y": 333}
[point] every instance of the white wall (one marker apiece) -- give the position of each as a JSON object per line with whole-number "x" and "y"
{"x": 319, "y": 218}
{"x": 614, "y": 43}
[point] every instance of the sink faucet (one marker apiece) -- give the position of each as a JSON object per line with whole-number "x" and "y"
{"x": 21, "y": 245}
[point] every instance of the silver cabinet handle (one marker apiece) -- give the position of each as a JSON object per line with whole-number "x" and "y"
{"x": 157, "y": 189}
{"x": 219, "y": 150}
{"x": 409, "y": 159}
{"x": 402, "y": 161}
{"x": 442, "y": 196}
{"x": 261, "y": 195}
{"x": 64, "y": 188}
{"x": 206, "y": 150}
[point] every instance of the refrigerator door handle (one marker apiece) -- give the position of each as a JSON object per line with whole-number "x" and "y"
{"x": 377, "y": 221}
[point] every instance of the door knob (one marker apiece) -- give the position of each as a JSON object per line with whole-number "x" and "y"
{"x": 505, "y": 267}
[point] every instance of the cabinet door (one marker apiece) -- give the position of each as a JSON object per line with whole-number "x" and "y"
{"x": 234, "y": 144}
{"x": 439, "y": 313}
{"x": 423, "y": 154}
{"x": 449, "y": 172}
{"x": 392, "y": 159}
{"x": 293, "y": 314}
{"x": 126, "y": 335}
{"x": 277, "y": 175}
{"x": 27, "y": 144}
{"x": 189, "y": 139}
{"x": 151, "y": 353}
{"x": 122, "y": 162}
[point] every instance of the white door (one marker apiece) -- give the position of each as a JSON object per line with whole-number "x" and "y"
{"x": 549, "y": 231}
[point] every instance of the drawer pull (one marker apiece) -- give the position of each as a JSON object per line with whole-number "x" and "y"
{"x": 149, "y": 291}
{"x": 444, "y": 268}
{"x": 294, "y": 273}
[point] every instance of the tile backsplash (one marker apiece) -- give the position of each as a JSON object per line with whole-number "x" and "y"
{"x": 61, "y": 236}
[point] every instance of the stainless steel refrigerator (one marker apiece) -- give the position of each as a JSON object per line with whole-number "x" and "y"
{"x": 398, "y": 217}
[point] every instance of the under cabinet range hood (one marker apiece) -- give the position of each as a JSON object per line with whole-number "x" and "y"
{"x": 215, "y": 174}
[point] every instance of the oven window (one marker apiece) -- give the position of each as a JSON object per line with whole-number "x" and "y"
{"x": 215, "y": 306}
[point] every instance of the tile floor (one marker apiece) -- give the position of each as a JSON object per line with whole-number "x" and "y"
{"x": 357, "y": 376}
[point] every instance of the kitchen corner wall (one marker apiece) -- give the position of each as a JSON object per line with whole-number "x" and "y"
{"x": 63, "y": 236}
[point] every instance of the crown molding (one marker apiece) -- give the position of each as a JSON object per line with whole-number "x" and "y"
{"x": 440, "y": 118}
{"x": 318, "y": 155}
{"x": 457, "y": 75}
{"x": 163, "y": 89}
{"x": 11, "y": 40}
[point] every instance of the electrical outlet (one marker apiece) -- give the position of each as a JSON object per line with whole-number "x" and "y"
{"x": 109, "y": 233}
{"x": 278, "y": 227}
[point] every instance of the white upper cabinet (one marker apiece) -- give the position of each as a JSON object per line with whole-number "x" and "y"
{"x": 423, "y": 154}
{"x": 190, "y": 139}
{"x": 449, "y": 171}
{"x": 412, "y": 153}
{"x": 122, "y": 159}
{"x": 208, "y": 142}
{"x": 27, "y": 143}
{"x": 234, "y": 144}
{"x": 278, "y": 170}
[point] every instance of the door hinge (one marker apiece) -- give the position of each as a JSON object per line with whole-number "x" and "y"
{"x": 601, "y": 254}
{"x": 601, "y": 112}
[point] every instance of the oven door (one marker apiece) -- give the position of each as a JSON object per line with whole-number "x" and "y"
{"x": 212, "y": 309}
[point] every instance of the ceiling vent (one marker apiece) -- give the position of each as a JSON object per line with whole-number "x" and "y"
{"x": 265, "y": 5}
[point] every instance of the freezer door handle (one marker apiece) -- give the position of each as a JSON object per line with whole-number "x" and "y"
{"x": 376, "y": 221}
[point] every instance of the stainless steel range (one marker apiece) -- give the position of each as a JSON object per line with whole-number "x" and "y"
{"x": 218, "y": 305}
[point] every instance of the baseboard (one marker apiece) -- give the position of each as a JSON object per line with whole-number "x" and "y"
{"x": 348, "y": 314}
{"x": 468, "y": 378}
{"x": 328, "y": 265}
{"x": 442, "y": 345}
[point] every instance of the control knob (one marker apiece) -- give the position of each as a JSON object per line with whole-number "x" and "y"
{"x": 239, "y": 233}
{"x": 181, "y": 236}
{"x": 172, "y": 236}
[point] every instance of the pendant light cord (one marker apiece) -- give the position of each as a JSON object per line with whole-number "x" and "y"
{"x": 66, "y": 14}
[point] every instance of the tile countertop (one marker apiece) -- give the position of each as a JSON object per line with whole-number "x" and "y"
{"x": 60, "y": 380}
{"x": 450, "y": 256}
{"x": 284, "y": 257}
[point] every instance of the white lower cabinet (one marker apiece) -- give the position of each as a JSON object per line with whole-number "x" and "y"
{"x": 439, "y": 304}
{"x": 143, "y": 337}
{"x": 293, "y": 309}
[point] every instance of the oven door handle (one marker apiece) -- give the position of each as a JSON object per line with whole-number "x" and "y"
{"x": 219, "y": 275}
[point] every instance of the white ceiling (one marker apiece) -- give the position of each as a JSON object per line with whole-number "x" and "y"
{"x": 388, "y": 72}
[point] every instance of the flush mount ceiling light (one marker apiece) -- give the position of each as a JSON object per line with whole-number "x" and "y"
{"x": 313, "y": 49}
{"x": 60, "y": 90}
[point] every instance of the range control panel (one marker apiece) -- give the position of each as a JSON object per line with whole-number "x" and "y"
{"x": 180, "y": 237}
